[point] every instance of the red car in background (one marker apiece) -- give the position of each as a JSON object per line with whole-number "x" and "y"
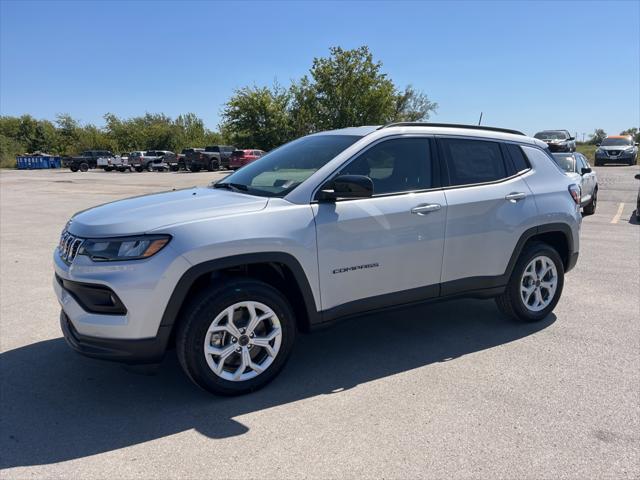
{"x": 240, "y": 158}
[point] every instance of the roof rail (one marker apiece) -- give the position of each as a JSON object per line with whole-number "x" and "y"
{"x": 450, "y": 125}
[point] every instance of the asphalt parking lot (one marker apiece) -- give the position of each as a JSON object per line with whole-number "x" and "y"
{"x": 448, "y": 390}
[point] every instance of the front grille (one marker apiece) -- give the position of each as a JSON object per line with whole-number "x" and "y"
{"x": 613, "y": 153}
{"x": 69, "y": 246}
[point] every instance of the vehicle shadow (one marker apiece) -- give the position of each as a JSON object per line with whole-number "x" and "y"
{"x": 59, "y": 406}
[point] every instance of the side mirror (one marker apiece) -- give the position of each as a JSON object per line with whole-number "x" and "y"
{"x": 572, "y": 138}
{"x": 636, "y": 144}
{"x": 637, "y": 176}
{"x": 347, "y": 186}
{"x": 597, "y": 144}
{"x": 585, "y": 170}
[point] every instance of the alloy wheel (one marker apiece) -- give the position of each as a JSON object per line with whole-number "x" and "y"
{"x": 242, "y": 341}
{"x": 539, "y": 283}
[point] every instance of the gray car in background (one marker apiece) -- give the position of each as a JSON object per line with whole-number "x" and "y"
{"x": 617, "y": 149}
{"x": 557, "y": 140}
{"x": 577, "y": 167}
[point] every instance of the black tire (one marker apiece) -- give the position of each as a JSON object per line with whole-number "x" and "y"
{"x": 73, "y": 169}
{"x": 84, "y": 167}
{"x": 139, "y": 169}
{"x": 174, "y": 168}
{"x": 199, "y": 314}
{"x": 108, "y": 169}
{"x": 590, "y": 209}
{"x": 510, "y": 303}
{"x": 194, "y": 169}
{"x": 213, "y": 165}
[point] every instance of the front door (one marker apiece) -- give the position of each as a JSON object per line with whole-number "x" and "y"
{"x": 386, "y": 249}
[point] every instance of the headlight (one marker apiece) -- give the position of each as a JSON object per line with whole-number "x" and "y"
{"x": 123, "y": 248}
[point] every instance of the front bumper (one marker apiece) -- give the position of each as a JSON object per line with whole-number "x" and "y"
{"x": 142, "y": 351}
{"x": 623, "y": 157}
{"x": 559, "y": 147}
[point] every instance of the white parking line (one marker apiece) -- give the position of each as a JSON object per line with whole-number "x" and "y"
{"x": 618, "y": 214}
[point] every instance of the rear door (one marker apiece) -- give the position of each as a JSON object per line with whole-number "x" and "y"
{"x": 385, "y": 249}
{"x": 489, "y": 206}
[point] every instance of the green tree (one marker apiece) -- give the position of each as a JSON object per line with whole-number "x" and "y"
{"x": 413, "y": 106}
{"x": 347, "y": 88}
{"x": 597, "y": 136}
{"x": 633, "y": 132}
{"x": 257, "y": 117}
{"x": 68, "y": 133}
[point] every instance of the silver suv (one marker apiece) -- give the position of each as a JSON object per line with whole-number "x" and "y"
{"x": 328, "y": 226}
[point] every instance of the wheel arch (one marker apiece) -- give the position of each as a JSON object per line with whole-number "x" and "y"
{"x": 281, "y": 270}
{"x": 557, "y": 235}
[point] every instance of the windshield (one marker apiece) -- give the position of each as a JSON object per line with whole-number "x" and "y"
{"x": 565, "y": 162}
{"x": 551, "y": 135}
{"x": 279, "y": 172}
{"x": 616, "y": 142}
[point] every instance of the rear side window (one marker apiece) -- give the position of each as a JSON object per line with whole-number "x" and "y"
{"x": 398, "y": 165}
{"x": 517, "y": 157}
{"x": 473, "y": 161}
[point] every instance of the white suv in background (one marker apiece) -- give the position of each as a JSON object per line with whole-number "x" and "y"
{"x": 331, "y": 225}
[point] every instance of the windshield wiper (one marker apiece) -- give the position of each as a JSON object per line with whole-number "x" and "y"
{"x": 231, "y": 186}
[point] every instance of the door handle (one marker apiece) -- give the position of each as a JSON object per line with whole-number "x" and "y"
{"x": 426, "y": 208}
{"x": 515, "y": 196}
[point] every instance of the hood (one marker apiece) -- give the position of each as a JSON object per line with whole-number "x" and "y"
{"x": 150, "y": 212}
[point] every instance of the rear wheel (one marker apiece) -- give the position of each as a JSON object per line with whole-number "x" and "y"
{"x": 139, "y": 169}
{"x": 236, "y": 338}
{"x": 73, "y": 169}
{"x": 194, "y": 169}
{"x": 214, "y": 165}
{"x": 591, "y": 208}
{"x": 535, "y": 285}
{"x": 84, "y": 167}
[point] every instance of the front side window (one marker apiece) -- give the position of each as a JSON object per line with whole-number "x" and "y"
{"x": 283, "y": 169}
{"x": 473, "y": 161}
{"x": 397, "y": 165}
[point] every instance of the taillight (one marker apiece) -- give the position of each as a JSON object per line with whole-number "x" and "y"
{"x": 574, "y": 191}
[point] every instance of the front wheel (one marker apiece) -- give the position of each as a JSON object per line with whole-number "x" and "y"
{"x": 236, "y": 338}
{"x": 73, "y": 169}
{"x": 535, "y": 285}
{"x": 84, "y": 167}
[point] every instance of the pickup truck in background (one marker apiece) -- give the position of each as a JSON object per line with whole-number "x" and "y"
{"x": 240, "y": 158}
{"x": 183, "y": 155}
{"x": 87, "y": 159}
{"x": 212, "y": 158}
{"x": 151, "y": 160}
{"x": 109, "y": 163}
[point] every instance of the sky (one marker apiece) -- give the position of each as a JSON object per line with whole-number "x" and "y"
{"x": 526, "y": 65}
